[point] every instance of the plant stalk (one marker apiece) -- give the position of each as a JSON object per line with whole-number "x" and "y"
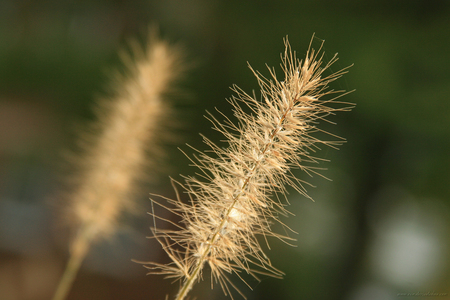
{"x": 79, "y": 251}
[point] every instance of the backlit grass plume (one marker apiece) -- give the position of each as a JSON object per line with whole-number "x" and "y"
{"x": 124, "y": 140}
{"x": 231, "y": 198}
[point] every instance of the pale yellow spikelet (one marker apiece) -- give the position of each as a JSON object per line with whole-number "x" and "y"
{"x": 124, "y": 140}
{"x": 231, "y": 199}
{"x": 130, "y": 128}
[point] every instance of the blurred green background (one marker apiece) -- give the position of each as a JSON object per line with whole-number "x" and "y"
{"x": 378, "y": 229}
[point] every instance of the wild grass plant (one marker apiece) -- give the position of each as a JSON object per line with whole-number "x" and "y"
{"x": 120, "y": 148}
{"x": 239, "y": 191}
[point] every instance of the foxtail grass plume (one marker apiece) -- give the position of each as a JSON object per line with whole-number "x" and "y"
{"x": 231, "y": 199}
{"x": 119, "y": 146}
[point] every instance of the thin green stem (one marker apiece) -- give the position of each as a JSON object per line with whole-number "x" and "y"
{"x": 79, "y": 251}
{"x": 187, "y": 286}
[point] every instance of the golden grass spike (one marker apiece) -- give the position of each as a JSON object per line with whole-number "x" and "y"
{"x": 124, "y": 140}
{"x": 230, "y": 200}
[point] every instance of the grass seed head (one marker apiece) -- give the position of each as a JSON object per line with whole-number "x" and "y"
{"x": 231, "y": 202}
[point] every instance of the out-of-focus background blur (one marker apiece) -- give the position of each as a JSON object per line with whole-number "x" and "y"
{"x": 378, "y": 230}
